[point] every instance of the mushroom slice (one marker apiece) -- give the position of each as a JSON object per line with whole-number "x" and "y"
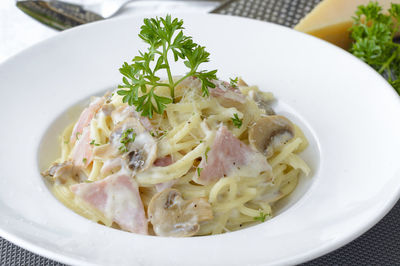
{"x": 263, "y": 101}
{"x": 171, "y": 215}
{"x": 139, "y": 154}
{"x": 61, "y": 172}
{"x": 269, "y": 133}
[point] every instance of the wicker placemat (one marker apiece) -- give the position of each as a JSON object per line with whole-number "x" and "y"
{"x": 379, "y": 246}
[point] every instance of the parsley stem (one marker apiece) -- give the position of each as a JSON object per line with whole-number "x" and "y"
{"x": 160, "y": 84}
{"x": 396, "y": 44}
{"x": 171, "y": 81}
{"x": 396, "y": 26}
{"x": 181, "y": 79}
{"x": 387, "y": 63}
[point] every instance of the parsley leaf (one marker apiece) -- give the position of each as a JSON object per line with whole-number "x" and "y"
{"x": 199, "y": 170}
{"x": 261, "y": 217}
{"x": 206, "y": 153}
{"x": 127, "y": 136}
{"x": 140, "y": 78}
{"x": 237, "y": 122}
{"x": 93, "y": 143}
{"x": 372, "y": 33}
{"x": 234, "y": 82}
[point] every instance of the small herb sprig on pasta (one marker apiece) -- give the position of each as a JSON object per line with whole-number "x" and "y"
{"x": 164, "y": 36}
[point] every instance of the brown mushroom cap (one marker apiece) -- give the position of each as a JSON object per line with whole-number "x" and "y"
{"x": 263, "y": 102}
{"x": 64, "y": 172}
{"x": 270, "y": 132}
{"x": 171, "y": 215}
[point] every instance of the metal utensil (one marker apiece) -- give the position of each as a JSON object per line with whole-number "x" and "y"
{"x": 62, "y": 15}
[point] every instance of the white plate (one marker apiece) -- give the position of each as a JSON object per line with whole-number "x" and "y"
{"x": 350, "y": 114}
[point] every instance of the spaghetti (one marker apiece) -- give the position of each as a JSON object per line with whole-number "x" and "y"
{"x": 193, "y": 170}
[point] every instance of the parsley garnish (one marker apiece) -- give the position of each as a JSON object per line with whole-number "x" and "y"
{"x": 84, "y": 160}
{"x": 93, "y": 143}
{"x": 234, "y": 82}
{"x": 199, "y": 170}
{"x": 163, "y": 35}
{"x": 127, "y": 137}
{"x": 206, "y": 153}
{"x": 158, "y": 133}
{"x": 261, "y": 217}
{"x": 373, "y": 34}
{"x": 77, "y": 135}
{"x": 237, "y": 122}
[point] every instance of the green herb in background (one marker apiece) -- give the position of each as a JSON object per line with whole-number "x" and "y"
{"x": 164, "y": 35}
{"x": 372, "y": 33}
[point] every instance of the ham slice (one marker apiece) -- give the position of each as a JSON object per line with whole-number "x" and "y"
{"x": 164, "y": 161}
{"x": 227, "y": 95}
{"x": 82, "y": 154}
{"x": 124, "y": 112}
{"x": 86, "y": 116}
{"x": 227, "y": 156}
{"x": 117, "y": 196}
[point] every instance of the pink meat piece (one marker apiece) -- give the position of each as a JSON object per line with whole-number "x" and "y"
{"x": 145, "y": 122}
{"x": 86, "y": 116}
{"x": 123, "y": 112}
{"x": 164, "y": 161}
{"x": 228, "y": 153}
{"x": 82, "y": 155}
{"x": 117, "y": 196}
{"x": 228, "y": 95}
{"x": 190, "y": 82}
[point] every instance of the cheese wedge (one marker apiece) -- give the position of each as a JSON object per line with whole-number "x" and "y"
{"x": 330, "y": 20}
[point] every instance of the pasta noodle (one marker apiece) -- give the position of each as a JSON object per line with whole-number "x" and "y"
{"x": 180, "y": 139}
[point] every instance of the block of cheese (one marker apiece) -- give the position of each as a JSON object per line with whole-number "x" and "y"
{"x": 331, "y": 19}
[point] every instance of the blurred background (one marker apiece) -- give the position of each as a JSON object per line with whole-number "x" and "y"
{"x": 19, "y": 30}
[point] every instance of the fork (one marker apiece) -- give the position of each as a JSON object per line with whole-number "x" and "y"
{"x": 62, "y": 15}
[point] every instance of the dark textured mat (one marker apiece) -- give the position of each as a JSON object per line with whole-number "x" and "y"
{"x": 379, "y": 246}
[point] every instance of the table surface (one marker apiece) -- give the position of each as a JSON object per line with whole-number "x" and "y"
{"x": 379, "y": 246}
